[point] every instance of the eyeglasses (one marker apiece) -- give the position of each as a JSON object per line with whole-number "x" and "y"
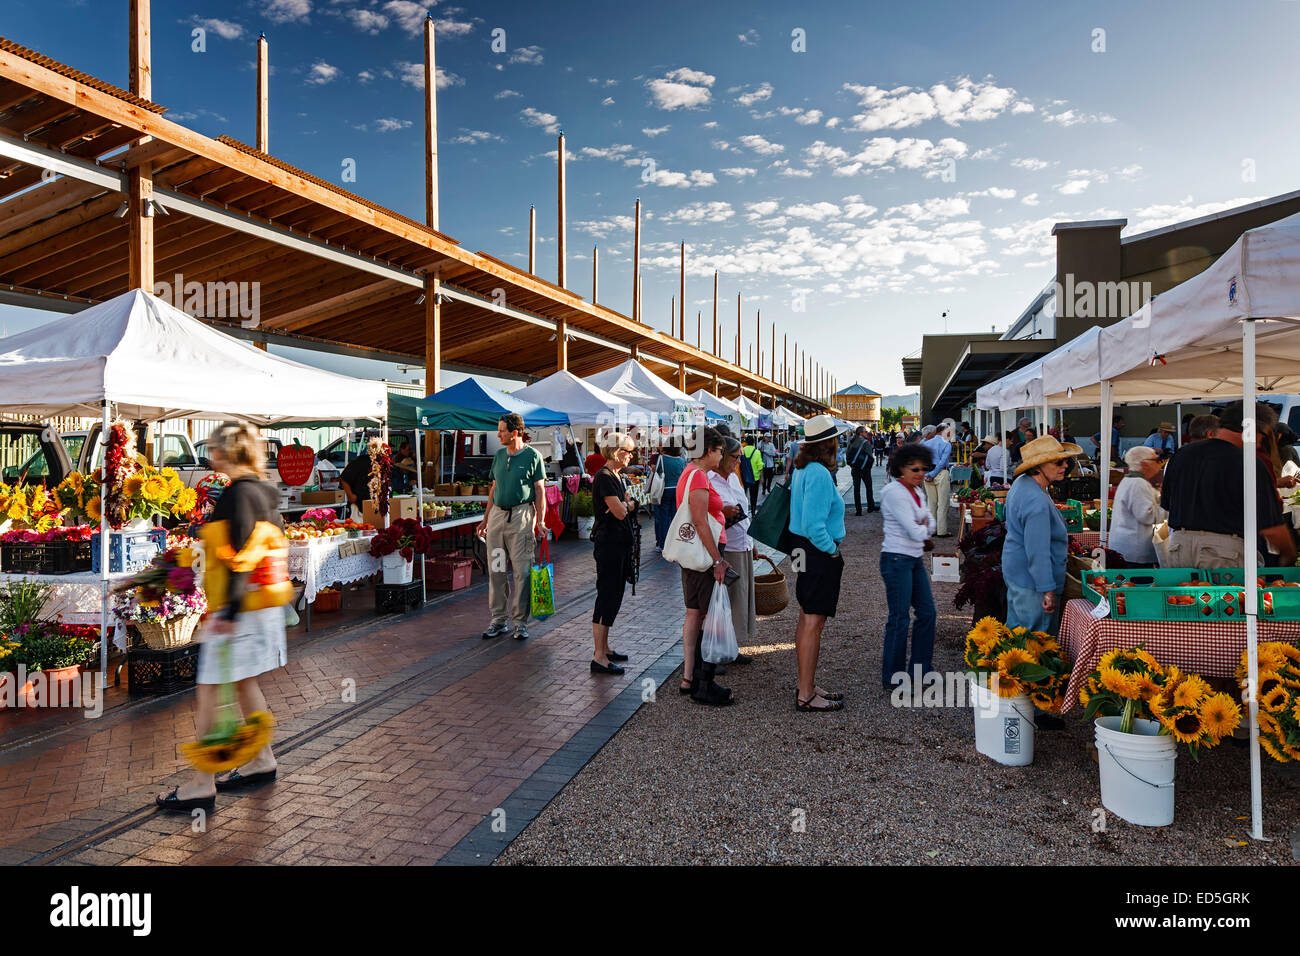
{"x": 917, "y": 468}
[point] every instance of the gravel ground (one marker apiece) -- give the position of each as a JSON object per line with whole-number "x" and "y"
{"x": 685, "y": 784}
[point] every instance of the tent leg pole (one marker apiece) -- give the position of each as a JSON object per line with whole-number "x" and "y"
{"x": 1249, "y": 521}
{"x": 103, "y": 553}
{"x": 1103, "y": 471}
{"x": 419, "y": 507}
{"x": 1178, "y": 428}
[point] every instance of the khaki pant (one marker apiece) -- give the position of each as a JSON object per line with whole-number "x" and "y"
{"x": 510, "y": 542}
{"x": 1205, "y": 549}
{"x": 938, "y": 495}
{"x": 741, "y": 595}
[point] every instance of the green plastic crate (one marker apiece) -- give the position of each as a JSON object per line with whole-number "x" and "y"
{"x": 1072, "y": 516}
{"x": 1219, "y": 600}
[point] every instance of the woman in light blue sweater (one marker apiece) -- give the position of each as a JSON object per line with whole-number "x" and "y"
{"x": 1034, "y": 552}
{"x": 816, "y": 530}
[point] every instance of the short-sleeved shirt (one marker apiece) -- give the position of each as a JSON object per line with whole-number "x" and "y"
{"x": 695, "y": 479}
{"x": 607, "y": 528}
{"x": 1161, "y": 443}
{"x": 516, "y": 476}
{"x": 1202, "y": 489}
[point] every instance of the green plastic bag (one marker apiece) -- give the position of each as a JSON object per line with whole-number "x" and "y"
{"x": 541, "y": 580}
{"x": 771, "y": 522}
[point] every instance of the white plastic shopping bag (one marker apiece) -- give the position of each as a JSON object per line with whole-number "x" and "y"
{"x": 718, "y": 645}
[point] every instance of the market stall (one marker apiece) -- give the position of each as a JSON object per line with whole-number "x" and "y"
{"x": 138, "y": 358}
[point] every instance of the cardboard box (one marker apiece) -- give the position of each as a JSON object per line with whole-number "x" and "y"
{"x": 398, "y": 507}
{"x": 945, "y": 568}
{"x": 323, "y": 497}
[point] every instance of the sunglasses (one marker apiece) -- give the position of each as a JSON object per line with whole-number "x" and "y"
{"x": 917, "y": 468}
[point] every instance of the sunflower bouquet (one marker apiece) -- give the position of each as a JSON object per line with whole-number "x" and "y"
{"x": 1279, "y": 699}
{"x": 1023, "y": 662}
{"x": 1132, "y": 684}
{"x": 152, "y": 492}
{"x": 29, "y": 509}
{"x": 78, "y": 499}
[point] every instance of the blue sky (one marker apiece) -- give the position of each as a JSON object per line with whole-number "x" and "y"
{"x": 911, "y": 161}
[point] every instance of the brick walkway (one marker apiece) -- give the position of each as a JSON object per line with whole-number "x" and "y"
{"x": 450, "y": 748}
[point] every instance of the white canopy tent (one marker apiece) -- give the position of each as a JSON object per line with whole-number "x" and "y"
{"x": 153, "y": 362}
{"x": 782, "y": 417}
{"x": 720, "y": 406}
{"x": 634, "y": 383}
{"x": 752, "y": 410}
{"x": 585, "y": 403}
{"x": 140, "y": 358}
{"x": 1233, "y": 330}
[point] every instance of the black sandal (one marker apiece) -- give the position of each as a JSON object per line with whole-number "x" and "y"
{"x": 174, "y": 803}
{"x": 237, "y": 780}
{"x": 805, "y": 706}
{"x": 829, "y": 696}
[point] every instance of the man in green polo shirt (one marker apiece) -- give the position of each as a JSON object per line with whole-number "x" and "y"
{"x": 513, "y": 520}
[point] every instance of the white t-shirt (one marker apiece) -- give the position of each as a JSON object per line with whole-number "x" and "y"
{"x": 559, "y": 445}
{"x": 732, "y": 492}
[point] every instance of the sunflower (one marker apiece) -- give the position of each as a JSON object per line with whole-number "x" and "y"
{"x": 1018, "y": 631}
{"x": 156, "y": 488}
{"x": 1157, "y": 705}
{"x": 133, "y": 486}
{"x": 986, "y": 632}
{"x": 1108, "y": 659}
{"x": 1267, "y": 681}
{"x": 185, "y": 502}
{"x": 1271, "y": 656}
{"x": 1147, "y": 687}
{"x": 1009, "y": 687}
{"x": 168, "y": 472}
{"x": 1010, "y": 659}
{"x": 1273, "y": 751}
{"x": 1125, "y": 685}
{"x": 1275, "y": 701}
{"x": 1190, "y": 691}
{"x": 1084, "y": 696}
{"x": 1152, "y": 664}
{"x": 17, "y": 508}
{"x": 1295, "y": 710}
{"x": 1186, "y": 727}
{"x": 1291, "y": 652}
{"x": 92, "y": 510}
{"x": 1043, "y": 700}
{"x": 1220, "y": 715}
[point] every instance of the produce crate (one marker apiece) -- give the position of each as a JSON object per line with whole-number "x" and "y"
{"x": 1072, "y": 515}
{"x": 398, "y": 598}
{"x": 449, "y": 574}
{"x": 327, "y": 601}
{"x": 1218, "y": 595}
{"x": 161, "y": 672}
{"x": 128, "y": 551}
{"x": 45, "y": 557}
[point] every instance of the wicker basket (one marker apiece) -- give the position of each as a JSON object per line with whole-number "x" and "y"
{"x": 770, "y": 592}
{"x": 165, "y": 635}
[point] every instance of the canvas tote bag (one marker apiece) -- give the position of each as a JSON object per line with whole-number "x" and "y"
{"x": 682, "y": 545}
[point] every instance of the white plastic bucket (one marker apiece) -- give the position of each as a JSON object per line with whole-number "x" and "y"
{"x": 397, "y": 570}
{"x": 1137, "y": 771}
{"x": 584, "y": 527}
{"x": 1004, "y": 727}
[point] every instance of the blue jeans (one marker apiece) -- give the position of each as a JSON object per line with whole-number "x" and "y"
{"x": 907, "y": 585}
{"x": 1025, "y": 609}
{"x": 664, "y": 512}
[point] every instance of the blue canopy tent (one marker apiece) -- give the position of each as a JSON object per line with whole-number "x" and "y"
{"x": 472, "y": 393}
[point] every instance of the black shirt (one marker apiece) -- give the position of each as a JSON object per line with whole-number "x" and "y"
{"x": 357, "y": 475}
{"x": 607, "y": 528}
{"x": 243, "y": 504}
{"x": 1202, "y": 489}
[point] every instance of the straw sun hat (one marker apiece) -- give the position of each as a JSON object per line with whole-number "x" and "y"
{"x": 1045, "y": 449}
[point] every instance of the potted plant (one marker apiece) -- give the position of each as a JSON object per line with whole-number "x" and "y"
{"x": 165, "y": 601}
{"x": 397, "y": 545}
{"x": 1279, "y": 678}
{"x": 1011, "y": 673}
{"x": 584, "y": 510}
{"x": 1141, "y": 712}
{"x": 54, "y": 649}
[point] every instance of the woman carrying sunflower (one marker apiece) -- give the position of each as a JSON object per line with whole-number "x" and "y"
{"x": 247, "y": 585}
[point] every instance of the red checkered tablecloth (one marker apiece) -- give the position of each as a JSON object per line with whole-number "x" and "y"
{"x": 1208, "y": 648}
{"x": 1089, "y": 539}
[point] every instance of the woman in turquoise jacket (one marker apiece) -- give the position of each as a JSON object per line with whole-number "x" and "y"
{"x": 816, "y": 530}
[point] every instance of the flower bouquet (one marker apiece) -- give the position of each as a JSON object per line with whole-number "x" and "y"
{"x": 152, "y": 492}
{"x": 165, "y": 601}
{"x": 1279, "y": 699}
{"x": 397, "y": 545}
{"x": 32, "y": 509}
{"x": 1023, "y": 662}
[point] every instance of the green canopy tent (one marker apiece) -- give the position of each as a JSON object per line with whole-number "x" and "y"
{"x": 429, "y": 414}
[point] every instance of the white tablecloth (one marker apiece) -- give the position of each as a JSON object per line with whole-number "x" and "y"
{"x": 75, "y": 598}
{"x": 316, "y": 563}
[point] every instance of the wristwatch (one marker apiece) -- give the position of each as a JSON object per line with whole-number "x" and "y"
{"x": 715, "y": 564}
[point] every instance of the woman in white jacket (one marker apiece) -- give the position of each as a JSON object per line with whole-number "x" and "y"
{"x": 1137, "y": 509}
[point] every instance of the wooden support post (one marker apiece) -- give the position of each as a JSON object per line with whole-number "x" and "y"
{"x": 699, "y": 325}
{"x": 263, "y": 141}
{"x": 141, "y": 72}
{"x": 758, "y": 343}
{"x": 681, "y": 376}
{"x": 672, "y": 316}
{"x": 560, "y": 269}
{"x": 715, "y": 383}
{"x": 682, "y": 290}
{"x": 773, "y": 352}
{"x": 785, "y": 357}
{"x": 737, "y": 328}
{"x": 532, "y": 239}
{"x": 715, "y": 314}
{"x": 595, "y": 273}
{"x": 432, "y": 334}
{"x": 636, "y": 264}
{"x": 562, "y": 345}
{"x": 140, "y": 252}
{"x": 430, "y": 128}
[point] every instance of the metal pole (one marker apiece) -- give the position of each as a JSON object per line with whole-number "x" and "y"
{"x": 104, "y": 553}
{"x": 1251, "y": 568}
{"x": 1178, "y": 428}
{"x": 1103, "y": 471}
{"x": 419, "y": 506}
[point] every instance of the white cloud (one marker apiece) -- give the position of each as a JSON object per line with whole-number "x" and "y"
{"x": 758, "y": 95}
{"x": 757, "y": 210}
{"x": 683, "y": 88}
{"x": 601, "y": 228}
{"x": 995, "y": 192}
{"x": 365, "y": 76}
{"x": 548, "y": 121}
{"x": 286, "y": 11}
{"x": 701, "y": 178}
{"x": 528, "y": 55}
{"x": 931, "y": 209}
{"x": 506, "y": 94}
{"x": 809, "y": 118}
{"x": 1027, "y": 237}
{"x": 818, "y": 211}
{"x": 1129, "y": 172}
{"x": 475, "y": 136}
{"x": 656, "y": 131}
{"x": 614, "y": 153}
{"x": 607, "y": 101}
{"x": 760, "y": 145}
{"x": 1079, "y": 180}
{"x": 968, "y": 101}
{"x": 988, "y": 152}
{"x": 833, "y": 122}
{"x": 447, "y": 27}
{"x": 408, "y": 15}
{"x": 1073, "y": 118}
{"x": 819, "y": 152}
{"x": 739, "y": 172}
{"x": 711, "y": 124}
{"x": 390, "y": 124}
{"x": 1030, "y": 200}
{"x": 885, "y": 152}
{"x": 1164, "y": 214}
{"x": 226, "y": 29}
{"x": 748, "y": 38}
{"x": 412, "y": 74}
{"x": 322, "y": 73}
{"x": 791, "y": 173}
{"x": 669, "y": 179}
{"x": 698, "y": 212}
{"x": 367, "y": 21}
{"x": 1030, "y": 163}
{"x": 855, "y": 208}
